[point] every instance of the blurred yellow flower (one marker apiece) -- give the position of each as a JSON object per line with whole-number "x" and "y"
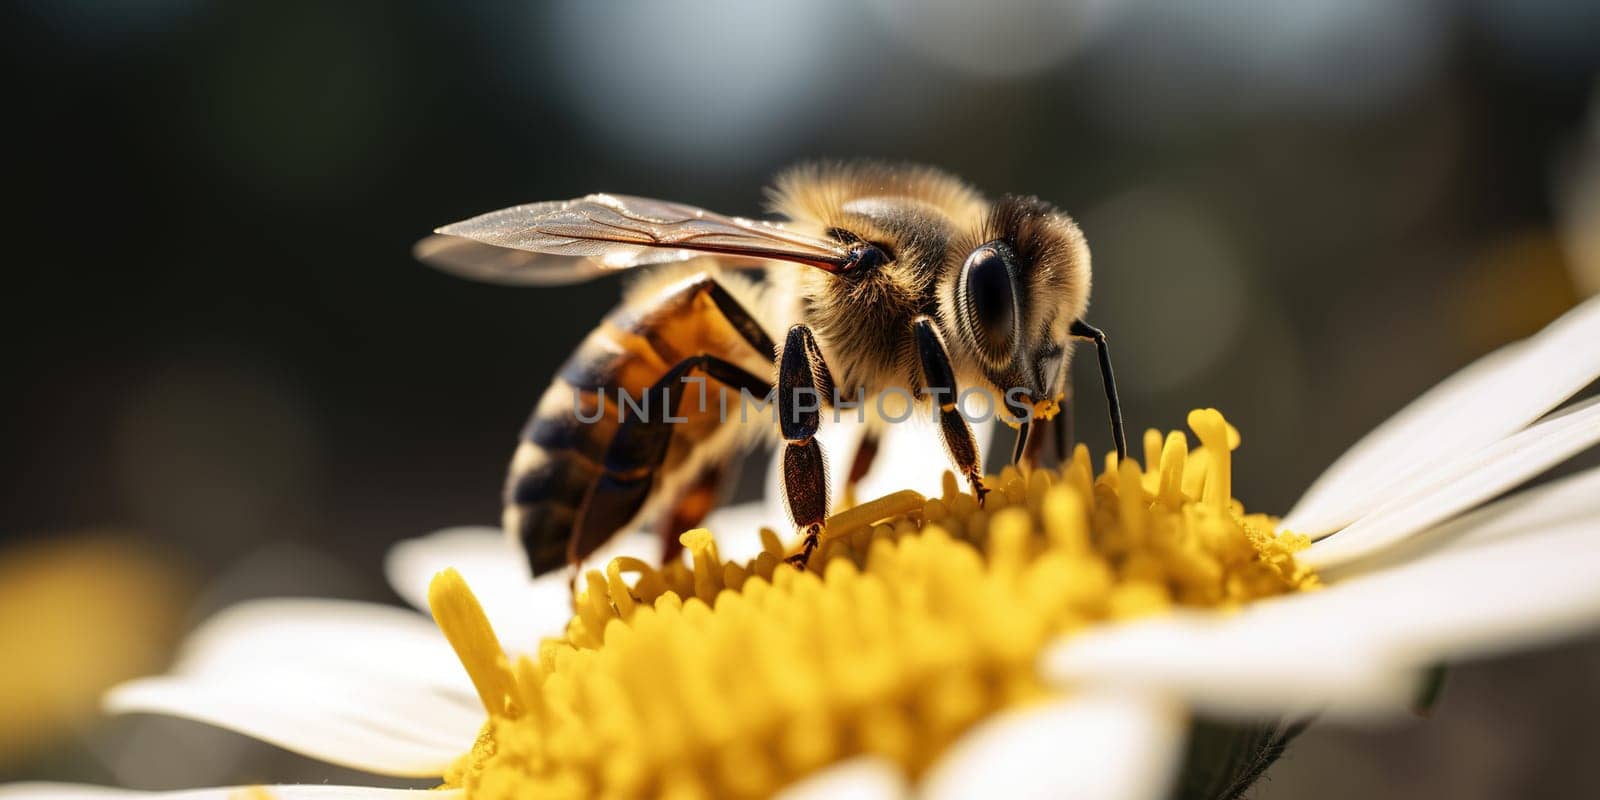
{"x": 78, "y": 614}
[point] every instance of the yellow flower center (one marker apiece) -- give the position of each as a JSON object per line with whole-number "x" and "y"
{"x": 915, "y": 619}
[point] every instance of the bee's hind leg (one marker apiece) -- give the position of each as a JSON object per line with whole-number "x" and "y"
{"x": 803, "y": 382}
{"x": 938, "y": 377}
{"x": 638, "y": 449}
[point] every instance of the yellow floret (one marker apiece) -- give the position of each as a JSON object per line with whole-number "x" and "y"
{"x": 915, "y": 618}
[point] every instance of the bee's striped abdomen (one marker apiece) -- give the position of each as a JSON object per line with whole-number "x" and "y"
{"x": 549, "y": 477}
{"x": 564, "y": 446}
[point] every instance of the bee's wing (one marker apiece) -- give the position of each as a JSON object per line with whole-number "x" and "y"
{"x": 472, "y": 259}
{"x": 575, "y": 240}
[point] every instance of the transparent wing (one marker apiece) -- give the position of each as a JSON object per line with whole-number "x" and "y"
{"x": 575, "y": 240}
{"x": 474, "y": 260}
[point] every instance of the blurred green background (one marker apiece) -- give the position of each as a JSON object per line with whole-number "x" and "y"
{"x": 228, "y": 379}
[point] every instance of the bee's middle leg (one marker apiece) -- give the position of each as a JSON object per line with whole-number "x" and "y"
{"x": 803, "y": 380}
{"x": 939, "y": 377}
{"x": 638, "y": 449}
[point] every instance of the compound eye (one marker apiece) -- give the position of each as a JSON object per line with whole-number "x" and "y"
{"x": 989, "y": 297}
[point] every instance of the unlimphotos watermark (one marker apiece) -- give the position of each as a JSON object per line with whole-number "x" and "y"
{"x": 893, "y": 405}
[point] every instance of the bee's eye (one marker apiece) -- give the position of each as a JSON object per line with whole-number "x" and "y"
{"x": 989, "y": 298}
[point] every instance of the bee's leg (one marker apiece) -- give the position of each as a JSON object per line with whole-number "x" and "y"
{"x": 866, "y": 453}
{"x": 939, "y": 378}
{"x": 1083, "y": 330}
{"x": 737, "y": 316}
{"x": 1046, "y": 442}
{"x": 638, "y": 449}
{"x": 803, "y": 382}
{"x": 1062, "y": 439}
{"x": 710, "y": 487}
{"x": 691, "y": 508}
{"x": 1025, "y": 434}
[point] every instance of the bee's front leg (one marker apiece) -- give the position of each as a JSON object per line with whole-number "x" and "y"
{"x": 1084, "y": 330}
{"x": 803, "y": 382}
{"x": 940, "y": 378}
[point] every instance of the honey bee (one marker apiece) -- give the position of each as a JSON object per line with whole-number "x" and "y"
{"x": 908, "y": 280}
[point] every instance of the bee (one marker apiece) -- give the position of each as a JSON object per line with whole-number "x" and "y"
{"x": 880, "y": 278}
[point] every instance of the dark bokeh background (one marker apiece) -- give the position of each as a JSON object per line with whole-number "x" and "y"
{"x": 220, "y": 349}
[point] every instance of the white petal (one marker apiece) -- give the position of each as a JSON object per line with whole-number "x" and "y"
{"x": 69, "y": 791}
{"x": 482, "y": 555}
{"x": 1089, "y": 745}
{"x": 1456, "y": 486}
{"x": 522, "y": 609}
{"x": 1556, "y": 504}
{"x": 367, "y": 642}
{"x": 861, "y": 778}
{"x": 360, "y": 684}
{"x": 1356, "y": 647}
{"x": 1496, "y": 597}
{"x": 367, "y": 728}
{"x": 738, "y": 528}
{"x": 1248, "y": 665}
{"x": 1484, "y": 402}
{"x": 911, "y": 456}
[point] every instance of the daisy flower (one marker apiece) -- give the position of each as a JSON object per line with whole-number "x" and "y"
{"x": 1059, "y": 640}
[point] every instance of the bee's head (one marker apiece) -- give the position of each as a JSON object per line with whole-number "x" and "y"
{"x": 1013, "y": 288}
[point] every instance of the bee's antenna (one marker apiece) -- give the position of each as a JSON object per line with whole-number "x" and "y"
{"x": 1084, "y": 330}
